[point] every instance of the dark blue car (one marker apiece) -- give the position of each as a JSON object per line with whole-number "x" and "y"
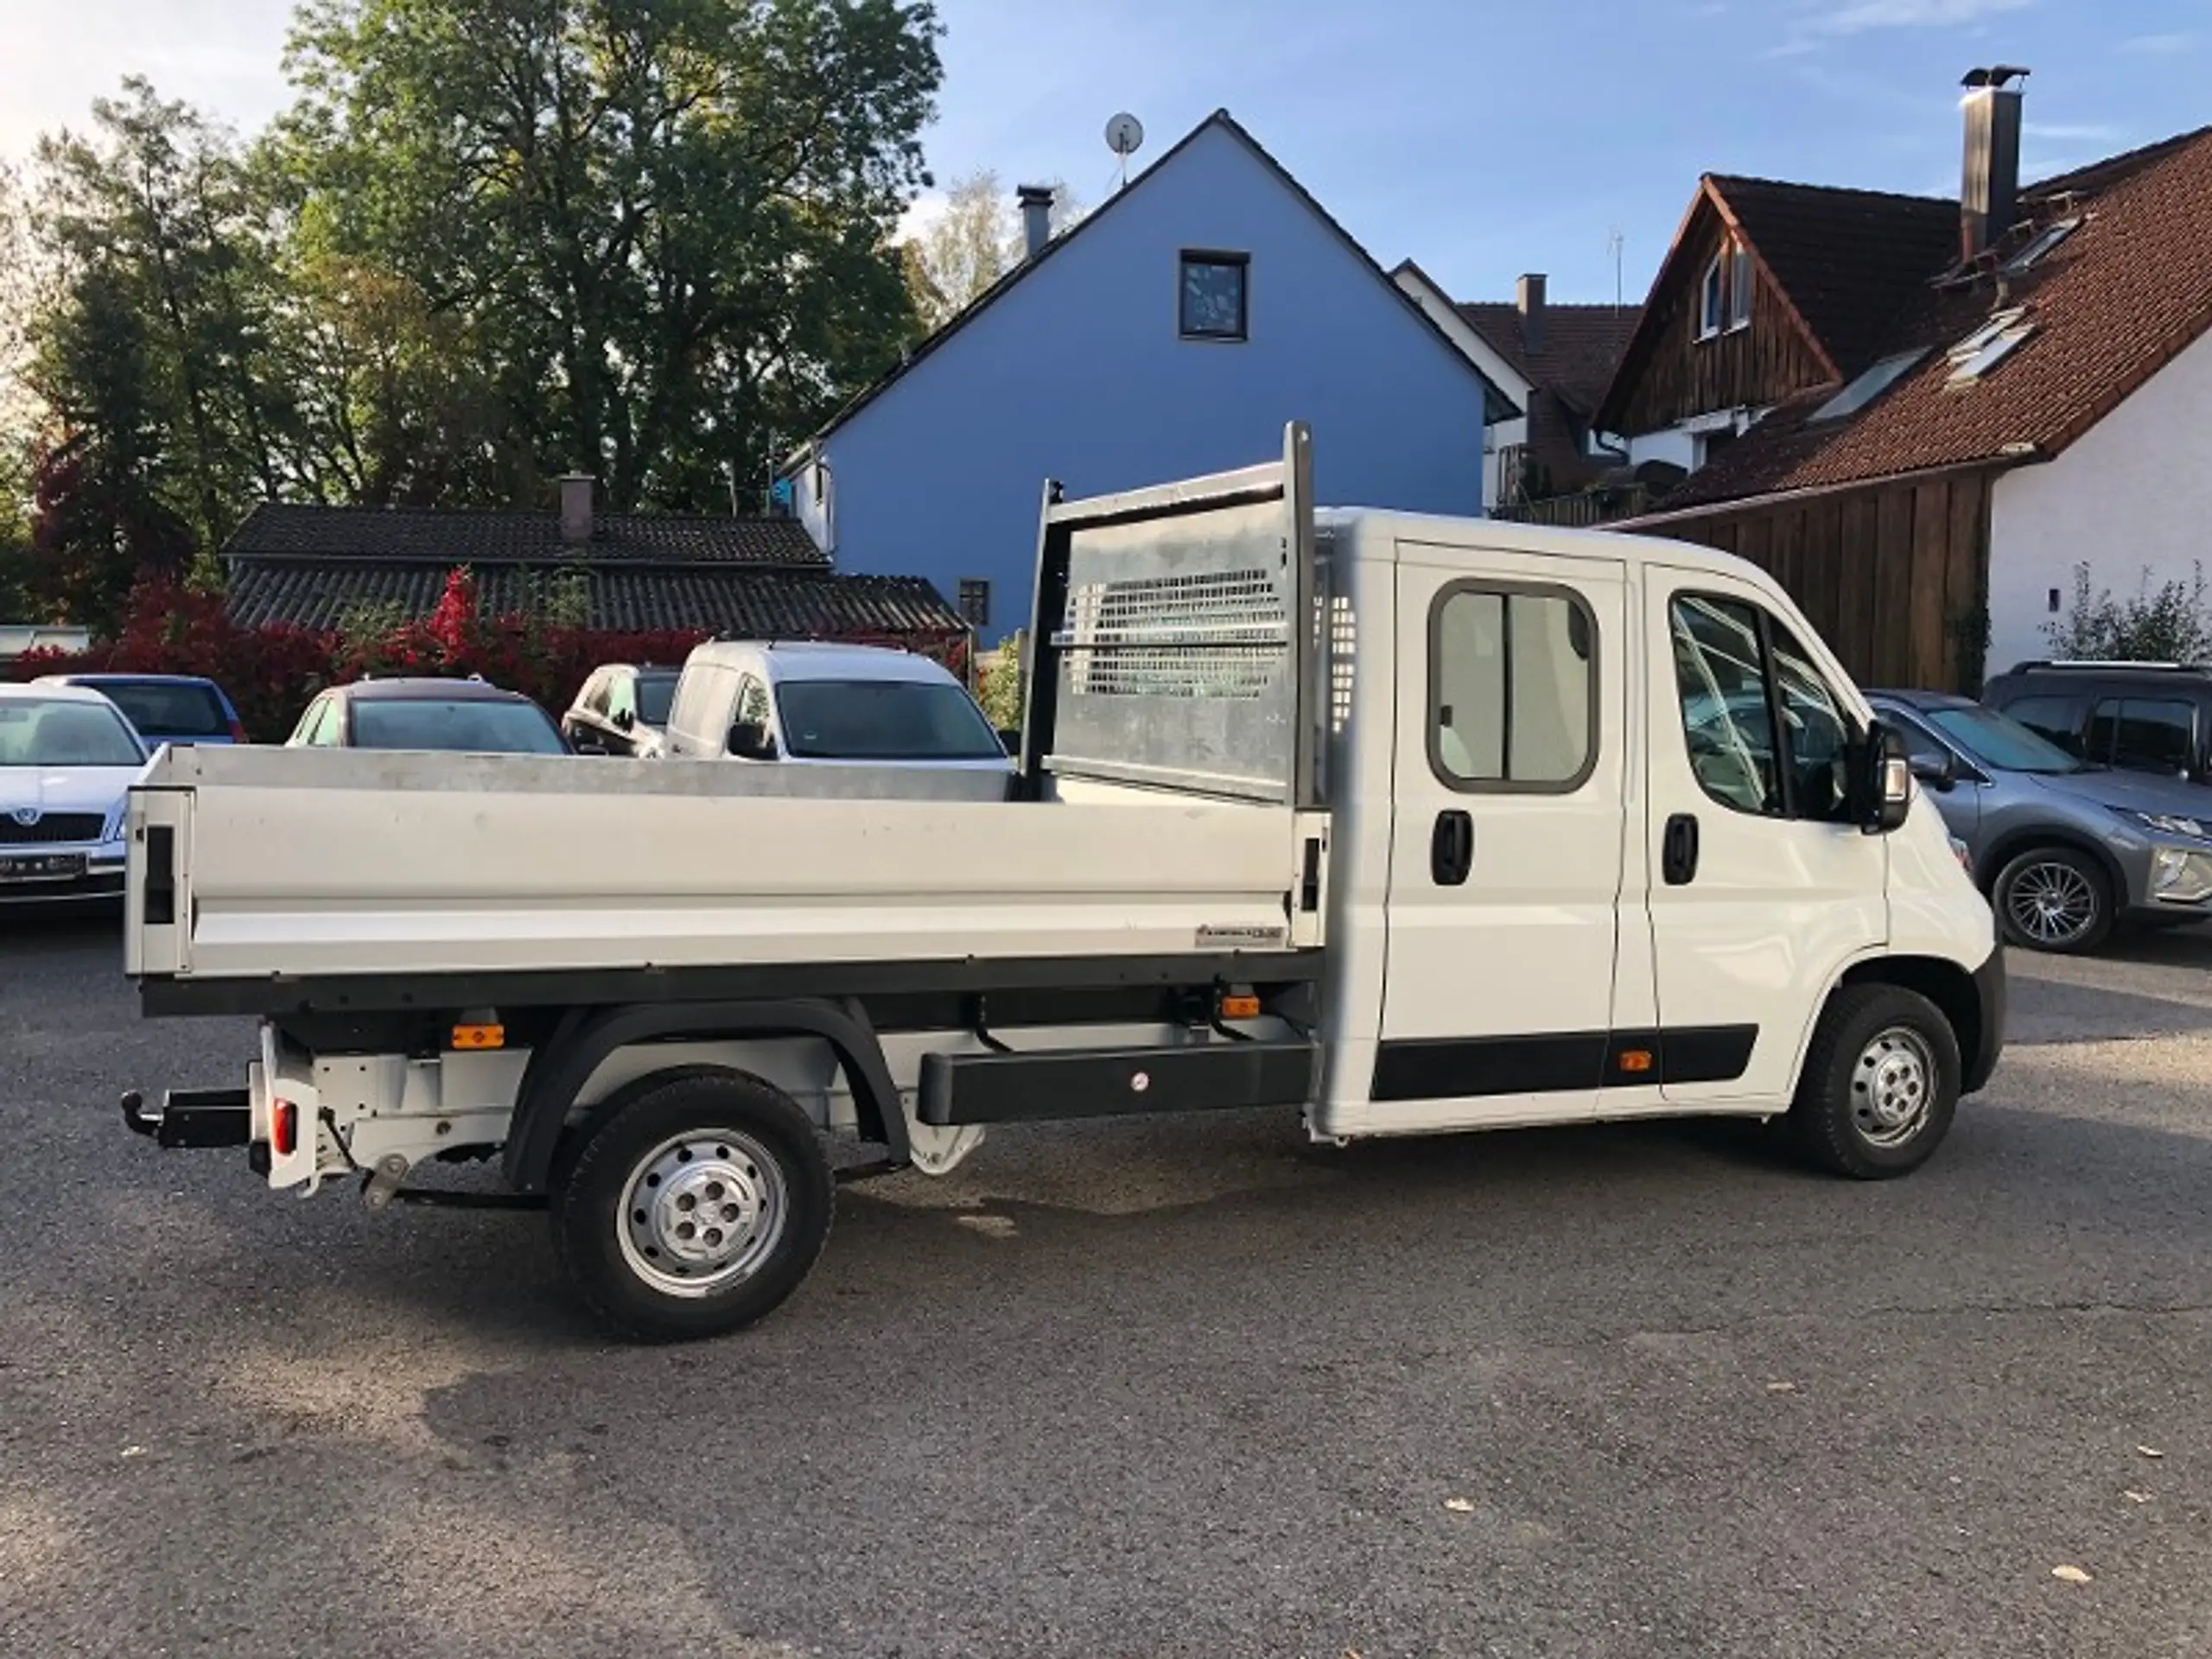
{"x": 180, "y": 709}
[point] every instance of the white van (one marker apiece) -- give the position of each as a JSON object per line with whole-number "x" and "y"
{"x": 1407, "y": 824}
{"x": 893, "y": 713}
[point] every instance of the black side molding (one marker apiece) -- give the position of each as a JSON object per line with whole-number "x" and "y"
{"x": 1052, "y": 1085}
{"x": 1474, "y": 1068}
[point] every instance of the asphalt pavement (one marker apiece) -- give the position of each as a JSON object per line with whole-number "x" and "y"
{"x": 1167, "y": 1388}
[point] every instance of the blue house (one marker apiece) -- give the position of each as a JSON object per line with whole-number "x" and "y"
{"x": 1174, "y": 332}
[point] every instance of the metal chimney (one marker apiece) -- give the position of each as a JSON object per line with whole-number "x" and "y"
{"x": 1036, "y": 201}
{"x": 1990, "y": 188}
{"x": 576, "y": 490}
{"x": 1530, "y": 295}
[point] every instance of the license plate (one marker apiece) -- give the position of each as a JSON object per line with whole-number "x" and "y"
{"x": 41, "y": 866}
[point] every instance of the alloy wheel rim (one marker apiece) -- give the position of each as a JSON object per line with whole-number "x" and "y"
{"x": 2051, "y": 903}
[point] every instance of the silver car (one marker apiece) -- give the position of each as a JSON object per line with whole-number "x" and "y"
{"x": 2064, "y": 848}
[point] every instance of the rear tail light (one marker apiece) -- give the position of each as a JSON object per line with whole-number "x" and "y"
{"x": 284, "y": 1127}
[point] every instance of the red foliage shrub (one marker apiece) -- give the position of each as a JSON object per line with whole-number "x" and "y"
{"x": 272, "y": 673}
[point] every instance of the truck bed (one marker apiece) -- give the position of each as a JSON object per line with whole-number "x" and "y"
{"x": 291, "y": 865}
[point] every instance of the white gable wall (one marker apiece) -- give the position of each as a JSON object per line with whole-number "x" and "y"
{"x": 2134, "y": 493}
{"x": 1077, "y": 372}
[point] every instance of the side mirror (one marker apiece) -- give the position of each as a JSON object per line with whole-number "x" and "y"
{"x": 1939, "y": 773}
{"x": 1882, "y": 781}
{"x": 749, "y": 741}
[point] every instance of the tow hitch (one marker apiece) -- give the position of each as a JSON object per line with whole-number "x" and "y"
{"x": 192, "y": 1118}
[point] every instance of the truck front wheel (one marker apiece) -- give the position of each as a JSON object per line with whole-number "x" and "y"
{"x": 692, "y": 1209}
{"x": 1880, "y": 1083}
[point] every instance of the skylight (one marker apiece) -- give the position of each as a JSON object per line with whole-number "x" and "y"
{"x": 1870, "y": 384}
{"x": 2042, "y": 242}
{"x": 1989, "y": 345}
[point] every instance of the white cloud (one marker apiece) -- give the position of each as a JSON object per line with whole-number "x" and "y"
{"x": 2062, "y": 133}
{"x": 2158, "y": 46}
{"x": 1857, "y": 17}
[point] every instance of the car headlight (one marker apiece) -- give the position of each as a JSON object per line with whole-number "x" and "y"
{"x": 2180, "y": 876}
{"x": 112, "y": 830}
{"x": 2172, "y": 824}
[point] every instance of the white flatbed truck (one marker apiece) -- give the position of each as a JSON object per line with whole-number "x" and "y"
{"x": 1416, "y": 824}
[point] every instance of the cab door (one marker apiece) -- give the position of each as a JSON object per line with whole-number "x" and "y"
{"x": 1506, "y": 842}
{"x": 1762, "y": 889}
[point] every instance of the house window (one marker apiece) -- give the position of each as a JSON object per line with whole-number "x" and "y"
{"x": 1214, "y": 301}
{"x": 976, "y": 601}
{"x": 1724, "y": 294}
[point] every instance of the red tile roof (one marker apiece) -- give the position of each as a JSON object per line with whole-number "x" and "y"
{"x": 2111, "y": 305}
{"x": 1579, "y": 348}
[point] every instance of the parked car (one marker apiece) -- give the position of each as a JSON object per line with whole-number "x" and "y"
{"x": 165, "y": 708}
{"x": 67, "y": 756}
{"x": 2064, "y": 848}
{"x": 901, "y": 717}
{"x": 2136, "y": 716}
{"x": 468, "y": 716}
{"x": 621, "y": 710}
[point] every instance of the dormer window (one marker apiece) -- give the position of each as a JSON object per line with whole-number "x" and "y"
{"x": 1725, "y": 293}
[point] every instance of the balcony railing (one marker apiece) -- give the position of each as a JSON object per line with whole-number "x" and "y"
{"x": 1581, "y": 510}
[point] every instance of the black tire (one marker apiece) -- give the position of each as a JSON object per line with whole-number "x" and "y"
{"x": 708, "y": 1151}
{"x": 1879, "y": 1053}
{"x": 2055, "y": 899}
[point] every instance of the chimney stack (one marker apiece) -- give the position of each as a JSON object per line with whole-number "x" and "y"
{"x": 576, "y": 508}
{"x": 1036, "y": 201}
{"x": 1989, "y": 191}
{"x": 1529, "y": 295}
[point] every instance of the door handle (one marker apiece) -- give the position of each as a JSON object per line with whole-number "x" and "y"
{"x": 1452, "y": 848}
{"x": 1678, "y": 851}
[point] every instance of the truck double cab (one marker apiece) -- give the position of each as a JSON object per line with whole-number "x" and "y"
{"x": 1411, "y": 823}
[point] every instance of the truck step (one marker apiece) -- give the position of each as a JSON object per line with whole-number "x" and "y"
{"x": 1067, "y": 1084}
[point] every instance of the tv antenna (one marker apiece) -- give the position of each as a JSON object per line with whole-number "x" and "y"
{"x": 1125, "y": 137}
{"x": 1615, "y": 244}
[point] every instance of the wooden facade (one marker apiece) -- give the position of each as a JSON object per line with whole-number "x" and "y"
{"x": 1677, "y": 375}
{"x": 1894, "y": 573}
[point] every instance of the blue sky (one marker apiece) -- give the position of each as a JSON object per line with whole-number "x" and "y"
{"x": 1481, "y": 138}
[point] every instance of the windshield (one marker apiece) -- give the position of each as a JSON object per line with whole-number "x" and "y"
{"x": 656, "y": 692}
{"x": 1999, "y": 742}
{"x": 52, "y": 732}
{"x": 465, "y": 725}
{"x": 168, "y": 708}
{"x": 884, "y": 720}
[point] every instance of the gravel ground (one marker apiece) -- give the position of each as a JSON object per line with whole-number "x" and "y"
{"x": 1170, "y": 1388}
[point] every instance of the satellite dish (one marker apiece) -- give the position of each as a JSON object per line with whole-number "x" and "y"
{"x": 1125, "y": 136}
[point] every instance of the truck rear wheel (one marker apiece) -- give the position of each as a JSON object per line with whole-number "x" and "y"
{"x": 694, "y": 1208}
{"x": 1880, "y": 1084}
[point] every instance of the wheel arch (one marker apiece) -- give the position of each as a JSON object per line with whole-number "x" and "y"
{"x": 2010, "y": 847}
{"x": 559, "y": 1068}
{"x": 1945, "y": 984}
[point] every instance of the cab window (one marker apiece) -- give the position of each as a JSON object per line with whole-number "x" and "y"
{"x": 620, "y": 696}
{"x": 751, "y": 703}
{"x": 1736, "y": 669}
{"x": 1513, "y": 677}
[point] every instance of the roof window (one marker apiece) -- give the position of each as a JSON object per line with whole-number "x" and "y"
{"x": 1870, "y": 384}
{"x": 2041, "y": 243}
{"x": 1991, "y": 344}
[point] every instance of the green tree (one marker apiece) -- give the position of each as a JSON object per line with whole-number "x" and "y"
{"x": 973, "y": 238}
{"x": 2172, "y": 623}
{"x": 662, "y": 226}
{"x": 162, "y": 247}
